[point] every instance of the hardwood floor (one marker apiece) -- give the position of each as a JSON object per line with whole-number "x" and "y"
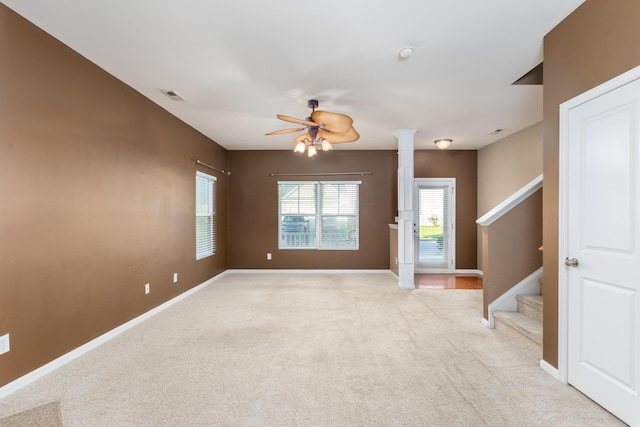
{"x": 446, "y": 281}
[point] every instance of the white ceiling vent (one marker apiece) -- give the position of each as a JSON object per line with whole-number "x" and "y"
{"x": 173, "y": 95}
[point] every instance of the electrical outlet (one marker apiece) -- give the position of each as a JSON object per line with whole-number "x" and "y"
{"x": 147, "y": 289}
{"x": 396, "y": 260}
{"x": 175, "y": 277}
{"x": 268, "y": 256}
{"x": 4, "y": 344}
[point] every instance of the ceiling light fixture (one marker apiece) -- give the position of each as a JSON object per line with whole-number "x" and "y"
{"x": 443, "y": 144}
{"x": 311, "y": 151}
{"x": 300, "y": 147}
{"x": 323, "y": 129}
{"x": 310, "y": 141}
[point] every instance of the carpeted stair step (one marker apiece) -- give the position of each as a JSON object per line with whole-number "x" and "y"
{"x": 530, "y": 306}
{"x": 523, "y": 329}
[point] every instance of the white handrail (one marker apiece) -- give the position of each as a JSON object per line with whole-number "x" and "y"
{"x": 510, "y": 202}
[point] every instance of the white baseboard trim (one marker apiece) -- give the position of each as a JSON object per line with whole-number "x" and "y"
{"x": 485, "y": 322}
{"x": 550, "y": 369}
{"x": 40, "y": 372}
{"x": 459, "y": 271}
{"x": 507, "y": 301}
{"x": 300, "y": 271}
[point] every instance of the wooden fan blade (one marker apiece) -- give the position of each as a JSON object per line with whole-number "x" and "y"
{"x": 334, "y": 122}
{"x": 340, "y": 138}
{"x": 281, "y": 131}
{"x": 298, "y": 121}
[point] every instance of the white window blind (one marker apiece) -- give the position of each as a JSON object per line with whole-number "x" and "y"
{"x": 205, "y": 215}
{"x": 318, "y": 215}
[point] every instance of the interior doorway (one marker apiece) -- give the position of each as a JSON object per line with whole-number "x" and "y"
{"x": 599, "y": 283}
{"x": 434, "y": 225}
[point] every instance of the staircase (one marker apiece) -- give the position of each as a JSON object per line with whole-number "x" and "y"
{"x": 525, "y": 325}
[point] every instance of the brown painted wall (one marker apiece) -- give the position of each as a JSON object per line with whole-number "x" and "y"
{"x": 393, "y": 251}
{"x": 253, "y": 202}
{"x": 507, "y": 165}
{"x": 597, "y": 42}
{"x": 97, "y": 190}
{"x": 462, "y": 165}
{"x": 518, "y": 157}
{"x": 510, "y": 248}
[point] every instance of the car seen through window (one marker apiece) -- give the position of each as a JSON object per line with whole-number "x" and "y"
{"x": 294, "y": 223}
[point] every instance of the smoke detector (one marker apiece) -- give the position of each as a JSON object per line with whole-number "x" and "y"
{"x": 406, "y": 52}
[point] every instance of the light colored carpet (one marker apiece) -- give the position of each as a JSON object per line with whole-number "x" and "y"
{"x": 311, "y": 350}
{"x": 47, "y": 415}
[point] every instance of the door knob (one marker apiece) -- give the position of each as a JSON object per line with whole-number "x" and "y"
{"x": 571, "y": 262}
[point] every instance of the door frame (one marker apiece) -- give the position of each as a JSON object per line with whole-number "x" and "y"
{"x": 563, "y": 206}
{"x": 451, "y": 205}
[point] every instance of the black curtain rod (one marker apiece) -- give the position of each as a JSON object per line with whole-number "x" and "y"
{"x": 322, "y": 174}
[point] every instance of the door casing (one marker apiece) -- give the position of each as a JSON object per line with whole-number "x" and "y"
{"x": 565, "y": 161}
{"x": 451, "y": 241}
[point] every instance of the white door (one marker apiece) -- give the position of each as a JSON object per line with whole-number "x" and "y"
{"x": 601, "y": 195}
{"x": 434, "y": 229}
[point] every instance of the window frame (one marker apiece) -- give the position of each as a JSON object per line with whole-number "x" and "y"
{"x": 318, "y": 238}
{"x": 211, "y": 214}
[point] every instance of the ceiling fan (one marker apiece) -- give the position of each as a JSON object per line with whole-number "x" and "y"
{"x": 322, "y": 129}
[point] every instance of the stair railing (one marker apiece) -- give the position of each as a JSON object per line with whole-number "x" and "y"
{"x": 511, "y": 233}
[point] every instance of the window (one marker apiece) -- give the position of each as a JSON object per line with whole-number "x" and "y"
{"x": 318, "y": 215}
{"x": 205, "y": 215}
{"x": 435, "y": 218}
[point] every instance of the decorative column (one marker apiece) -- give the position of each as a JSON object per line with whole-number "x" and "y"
{"x": 405, "y": 208}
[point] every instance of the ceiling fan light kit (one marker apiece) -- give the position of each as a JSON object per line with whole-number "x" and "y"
{"x": 311, "y": 151}
{"x": 300, "y": 147}
{"x": 443, "y": 144}
{"x": 323, "y": 129}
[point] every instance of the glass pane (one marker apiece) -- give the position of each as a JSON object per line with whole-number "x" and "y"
{"x": 339, "y": 199}
{"x": 432, "y": 208}
{"x": 205, "y": 199}
{"x": 204, "y": 235}
{"x": 339, "y": 232}
{"x": 204, "y": 204}
{"x": 297, "y": 231}
{"x": 297, "y": 198}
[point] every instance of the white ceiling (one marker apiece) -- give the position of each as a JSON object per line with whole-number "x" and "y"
{"x": 239, "y": 63}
